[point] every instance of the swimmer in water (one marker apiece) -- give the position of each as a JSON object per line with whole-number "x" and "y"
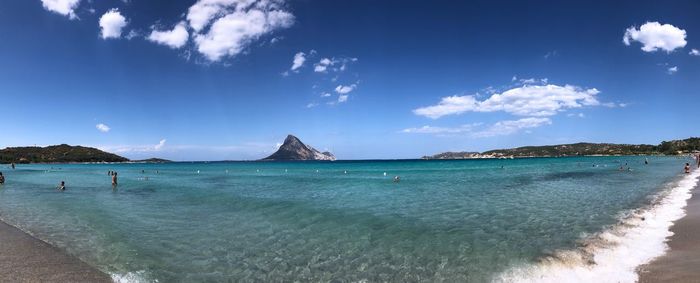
{"x": 397, "y": 179}
{"x": 2, "y": 179}
{"x": 62, "y": 186}
{"x": 114, "y": 179}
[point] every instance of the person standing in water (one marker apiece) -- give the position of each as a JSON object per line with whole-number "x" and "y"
{"x": 62, "y": 186}
{"x": 2, "y": 179}
{"x": 687, "y": 168}
{"x": 13, "y": 165}
{"x": 114, "y": 179}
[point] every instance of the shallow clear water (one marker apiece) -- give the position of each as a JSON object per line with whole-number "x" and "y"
{"x": 462, "y": 220}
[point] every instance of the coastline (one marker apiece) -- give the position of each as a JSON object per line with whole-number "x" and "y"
{"x": 24, "y": 258}
{"x": 681, "y": 260}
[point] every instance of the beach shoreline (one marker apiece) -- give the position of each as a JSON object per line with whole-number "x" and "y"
{"x": 24, "y": 258}
{"x": 680, "y": 262}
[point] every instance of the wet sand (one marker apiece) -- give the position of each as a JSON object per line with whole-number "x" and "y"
{"x": 24, "y": 258}
{"x": 682, "y": 262}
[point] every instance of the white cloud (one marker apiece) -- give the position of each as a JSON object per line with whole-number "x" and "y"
{"x": 694, "y": 52}
{"x": 325, "y": 94}
{"x": 672, "y": 70}
{"x": 654, "y": 36}
{"x": 311, "y": 105}
{"x": 112, "y": 23}
{"x": 298, "y": 61}
{"x": 234, "y": 24}
{"x": 342, "y": 98}
{"x": 160, "y": 145}
{"x": 175, "y": 38}
{"x": 580, "y": 115}
{"x": 509, "y": 127}
{"x": 102, "y": 127}
{"x": 527, "y": 100}
{"x": 441, "y": 130}
{"x": 334, "y": 64}
{"x": 323, "y": 65}
{"x": 345, "y": 89}
{"x": 132, "y": 34}
{"x": 475, "y": 130}
{"x": 63, "y": 7}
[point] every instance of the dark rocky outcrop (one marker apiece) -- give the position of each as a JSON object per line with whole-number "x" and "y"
{"x": 294, "y": 149}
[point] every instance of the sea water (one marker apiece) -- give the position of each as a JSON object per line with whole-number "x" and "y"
{"x": 536, "y": 219}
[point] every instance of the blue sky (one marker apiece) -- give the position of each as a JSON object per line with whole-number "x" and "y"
{"x": 218, "y": 79}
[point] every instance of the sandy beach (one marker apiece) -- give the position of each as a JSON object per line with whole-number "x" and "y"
{"x": 24, "y": 258}
{"x": 682, "y": 262}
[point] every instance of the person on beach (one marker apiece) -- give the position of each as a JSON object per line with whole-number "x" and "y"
{"x": 687, "y": 168}
{"x": 62, "y": 186}
{"x": 2, "y": 179}
{"x": 114, "y": 179}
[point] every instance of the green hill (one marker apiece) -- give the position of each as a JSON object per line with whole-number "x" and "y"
{"x": 580, "y": 149}
{"x": 57, "y": 154}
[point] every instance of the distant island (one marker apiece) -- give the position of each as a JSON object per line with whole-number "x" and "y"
{"x": 294, "y": 149}
{"x": 64, "y": 153}
{"x": 673, "y": 147}
{"x": 152, "y": 160}
{"x": 57, "y": 154}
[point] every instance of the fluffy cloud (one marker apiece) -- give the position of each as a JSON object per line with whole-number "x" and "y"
{"x": 335, "y": 64}
{"x": 672, "y": 70}
{"x": 112, "y": 24}
{"x": 654, "y": 36}
{"x": 441, "y": 130}
{"x": 323, "y": 65}
{"x": 234, "y": 24}
{"x": 175, "y": 38}
{"x": 694, "y": 52}
{"x": 102, "y": 127}
{"x": 476, "y": 130}
{"x": 509, "y": 127}
{"x": 63, "y": 7}
{"x": 298, "y": 61}
{"x": 527, "y": 100}
{"x": 342, "y": 98}
{"x": 137, "y": 148}
{"x": 160, "y": 145}
{"x": 345, "y": 89}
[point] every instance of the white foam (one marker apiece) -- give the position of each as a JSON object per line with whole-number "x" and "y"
{"x": 131, "y": 277}
{"x": 615, "y": 254}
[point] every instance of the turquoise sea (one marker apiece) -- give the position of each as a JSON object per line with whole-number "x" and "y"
{"x": 346, "y": 221}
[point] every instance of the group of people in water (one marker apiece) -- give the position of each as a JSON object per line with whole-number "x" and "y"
{"x": 396, "y": 179}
